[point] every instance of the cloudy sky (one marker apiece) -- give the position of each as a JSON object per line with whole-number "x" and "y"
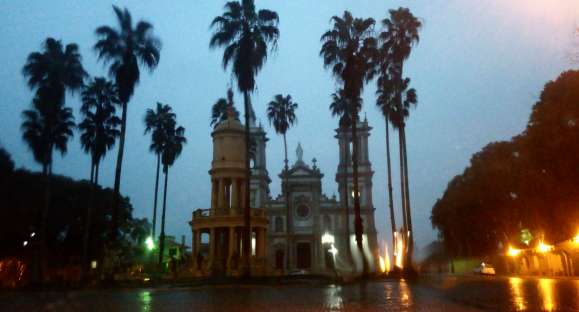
{"x": 479, "y": 67}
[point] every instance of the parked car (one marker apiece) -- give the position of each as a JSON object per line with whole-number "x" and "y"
{"x": 484, "y": 269}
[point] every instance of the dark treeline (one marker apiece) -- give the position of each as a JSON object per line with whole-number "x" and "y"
{"x": 529, "y": 182}
{"x": 22, "y": 194}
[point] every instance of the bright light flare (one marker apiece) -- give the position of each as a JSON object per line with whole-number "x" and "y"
{"x": 328, "y": 238}
{"x": 398, "y": 250}
{"x": 542, "y": 247}
{"x": 513, "y": 252}
{"x": 150, "y": 243}
{"x": 576, "y": 239}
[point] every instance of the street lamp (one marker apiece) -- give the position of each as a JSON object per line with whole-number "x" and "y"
{"x": 150, "y": 243}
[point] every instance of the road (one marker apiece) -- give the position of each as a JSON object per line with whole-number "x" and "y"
{"x": 428, "y": 294}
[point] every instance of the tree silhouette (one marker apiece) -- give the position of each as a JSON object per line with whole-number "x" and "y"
{"x": 48, "y": 125}
{"x": 99, "y": 132}
{"x": 281, "y": 114}
{"x": 219, "y": 109}
{"x": 100, "y": 125}
{"x": 157, "y": 121}
{"x": 399, "y": 36}
{"x": 245, "y": 35}
{"x": 340, "y": 107}
{"x": 349, "y": 49}
{"x": 125, "y": 49}
{"x": 172, "y": 147}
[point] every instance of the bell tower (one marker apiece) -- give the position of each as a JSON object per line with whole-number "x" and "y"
{"x": 344, "y": 178}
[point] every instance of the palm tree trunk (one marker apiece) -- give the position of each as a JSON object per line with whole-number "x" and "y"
{"x": 287, "y": 202}
{"x": 44, "y": 217}
{"x": 402, "y": 184}
{"x": 88, "y": 223}
{"x": 346, "y": 200}
{"x": 410, "y": 244}
{"x": 91, "y": 170}
{"x": 247, "y": 210}
{"x": 117, "y": 185}
{"x": 96, "y": 173}
{"x": 162, "y": 237}
{"x": 390, "y": 200}
{"x": 359, "y": 226}
{"x": 156, "y": 192}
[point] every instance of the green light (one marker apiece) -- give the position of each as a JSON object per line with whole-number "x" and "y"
{"x": 150, "y": 243}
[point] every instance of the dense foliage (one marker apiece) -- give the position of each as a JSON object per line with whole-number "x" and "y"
{"x": 529, "y": 182}
{"x": 22, "y": 194}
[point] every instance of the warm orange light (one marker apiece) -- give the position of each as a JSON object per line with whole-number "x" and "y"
{"x": 542, "y": 247}
{"x": 384, "y": 261}
{"x": 513, "y": 252}
{"x": 398, "y": 250}
{"x": 576, "y": 239}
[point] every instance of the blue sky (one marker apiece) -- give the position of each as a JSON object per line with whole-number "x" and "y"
{"x": 478, "y": 69}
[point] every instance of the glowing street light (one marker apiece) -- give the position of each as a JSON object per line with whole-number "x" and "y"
{"x": 542, "y": 247}
{"x": 328, "y": 238}
{"x": 150, "y": 243}
{"x": 513, "y": 252}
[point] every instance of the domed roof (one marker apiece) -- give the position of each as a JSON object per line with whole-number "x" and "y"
{"x": 230, "y": 123}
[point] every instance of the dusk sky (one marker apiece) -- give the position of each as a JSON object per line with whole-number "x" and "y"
{"x": 478, "y": 69}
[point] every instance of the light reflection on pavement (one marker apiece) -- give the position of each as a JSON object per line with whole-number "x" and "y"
{"x": 432, "y": 294}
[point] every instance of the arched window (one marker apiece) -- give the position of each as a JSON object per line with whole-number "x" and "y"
{"x": 278, "y": 224}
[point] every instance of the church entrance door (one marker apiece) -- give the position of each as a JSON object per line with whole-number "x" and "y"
{"x": 279, "y": 259}
{"x": 304, "y": 255}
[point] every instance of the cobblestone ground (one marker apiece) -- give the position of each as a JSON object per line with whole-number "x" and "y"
{"x": 445, "y": 294}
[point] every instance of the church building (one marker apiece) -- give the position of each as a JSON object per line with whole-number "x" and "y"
{"x": 316, "y": 234}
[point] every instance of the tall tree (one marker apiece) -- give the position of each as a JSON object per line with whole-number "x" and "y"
{"x": 340, "y": 107}
{"x": 399, "y": 36}
{"x": 385, "y": 102}
{"x": 48, "y": 125}
{"x": 281, "y": 114}
{"x": 349, "y": 49}
{"x": 125, "y": 49}
{"x": 172, "y": 147}
{"x": 99, "y": 132}
{"x": 245, "y": 35}
{"x": 219, "y": 109}
{"x": 100, "y": 127}
{"x": 156, "y": 122}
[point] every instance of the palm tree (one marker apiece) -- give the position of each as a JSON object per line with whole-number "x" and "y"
{"x": 125, "y": 49}
{"x": 172, "y": 147}
{"x": 281, "y": 114}
{"x": 99, "y": 131}
{"x": 245, "y": 34}
{"x": 341, "y": 108}
{"x": 156, "y": 121}
{"x": 219, "y": 109}
{"x": 385, "y": 102}
{"x": 399, "y": 36}
{"x": 48, "y": 125}
{"x": 100, "y": 126}
{"x": 349, "y": 49}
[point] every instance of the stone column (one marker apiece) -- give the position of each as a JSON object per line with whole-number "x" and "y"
{"x": 212, "y": 241}
{"x": 261, "y": 241}
{"x": 235, "y": 195}
{"x": 242, "y": 193}
{"x": 232, "y": 242}
{"x": 213, "y": 194}
{"x": 220, "y": 194}
{"x": 195, "y": 244}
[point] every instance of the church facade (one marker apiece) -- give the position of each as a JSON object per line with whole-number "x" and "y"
{"x": 317, "y": 234}
{"x": 314, "y": 236}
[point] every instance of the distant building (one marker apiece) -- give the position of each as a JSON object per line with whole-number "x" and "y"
{"x": 317, "y": 236}
{"x": 316, "y": 240}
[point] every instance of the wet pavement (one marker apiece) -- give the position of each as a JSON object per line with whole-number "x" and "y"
{"x": 432, "y": 294}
